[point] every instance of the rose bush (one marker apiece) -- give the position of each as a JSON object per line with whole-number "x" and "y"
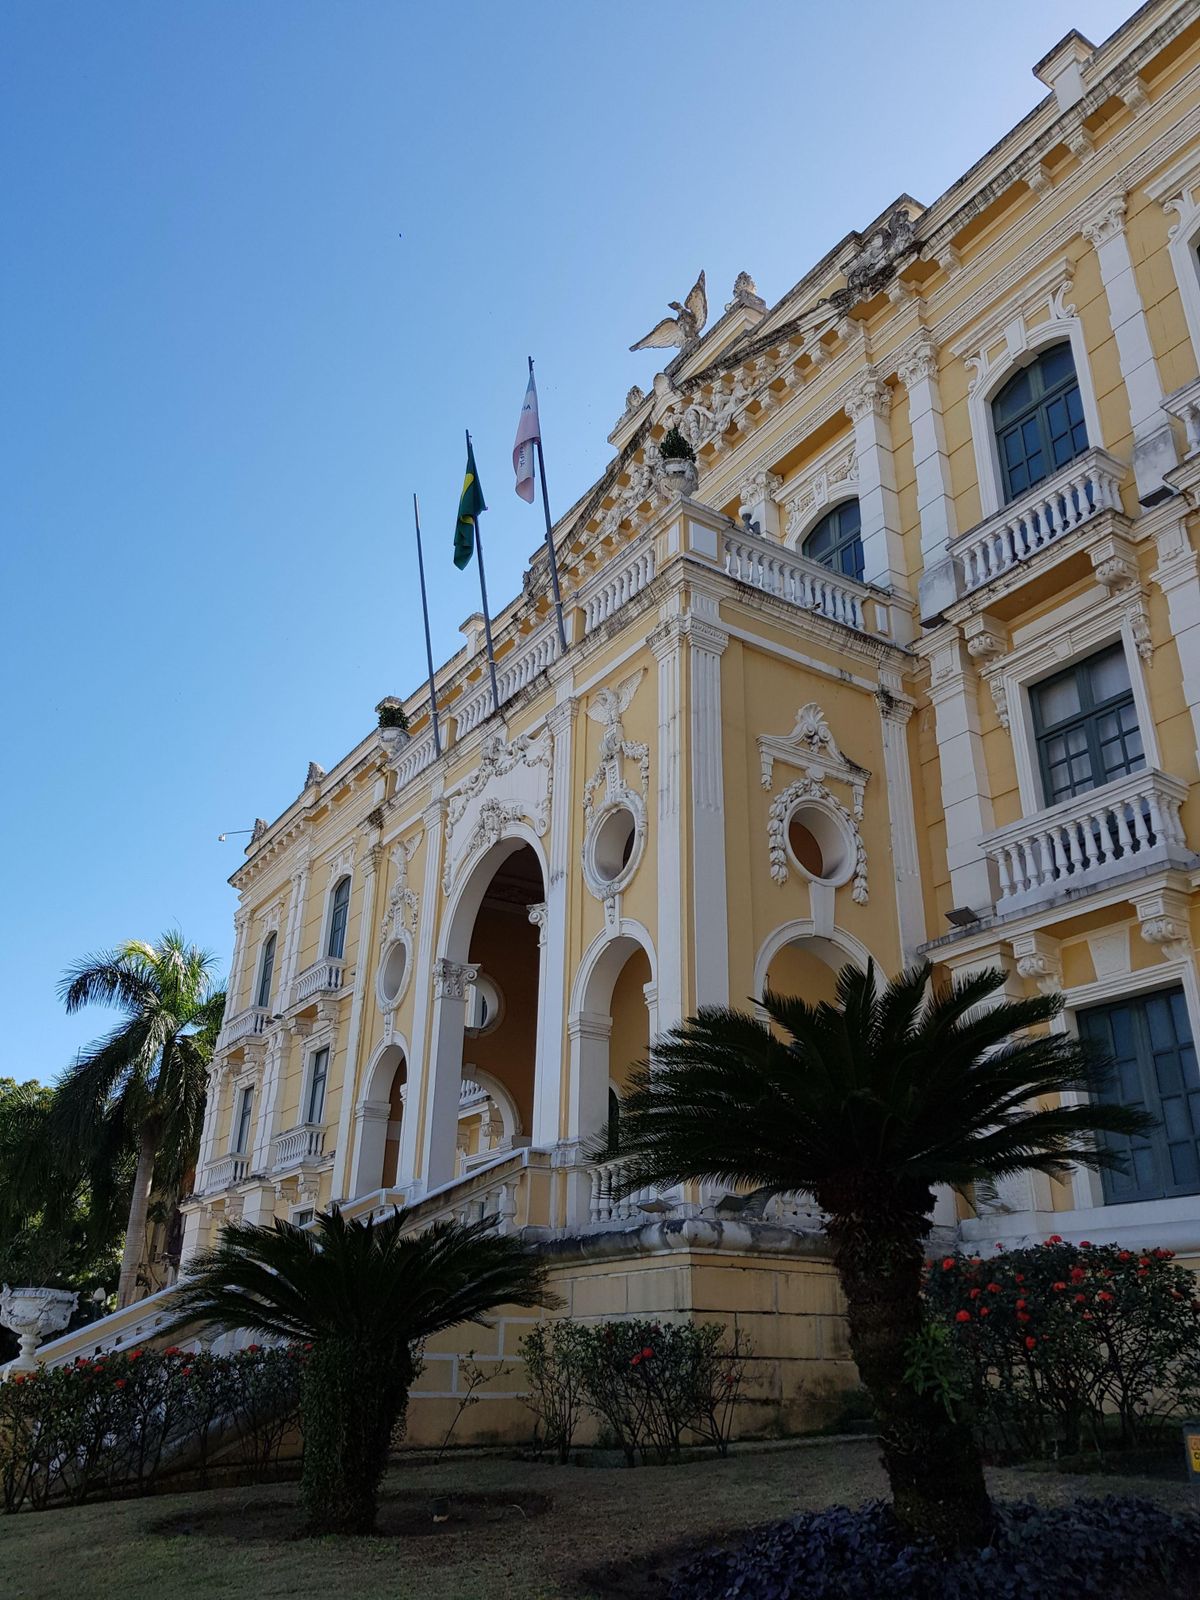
{"x": 1065, "y": 1348}
{"x": 112, "y": 1424}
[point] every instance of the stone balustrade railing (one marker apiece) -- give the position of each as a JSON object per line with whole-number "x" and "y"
{"x": 617, "y": 587}
{"x": 513, "y": 674}
{"x": 324, "y": 977}
{"x": 1128, "y": 825}
{"x": 143, "y": 1323}
{"x": 768, "y": 566}
{"x": 1089, "y": 485}
{"x": 223, "y": 1174}
{"x": 305, "y": 1142}
{"x": 245, "y": 1025}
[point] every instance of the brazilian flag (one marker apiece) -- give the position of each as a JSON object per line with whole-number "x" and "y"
{"x": 469, "y": 506}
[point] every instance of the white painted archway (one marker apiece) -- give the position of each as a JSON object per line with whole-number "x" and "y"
{"x": 834, "y": 948}
{"x": 372, "y": 1113}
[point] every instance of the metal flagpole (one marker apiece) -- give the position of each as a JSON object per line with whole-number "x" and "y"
{"x": 558, "y": 610}
{"x": 437, "y": 734}
{"x": 487, "y": 619}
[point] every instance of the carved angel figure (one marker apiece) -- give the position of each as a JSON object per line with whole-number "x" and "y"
{"x": 683, "y": 329}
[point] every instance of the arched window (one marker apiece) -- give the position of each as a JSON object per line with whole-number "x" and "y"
{"x": 338, "y": 914}
{"x": 266, "y": 971}
{"x": 1038, "y": 419}
{"x": 836, "y": 541}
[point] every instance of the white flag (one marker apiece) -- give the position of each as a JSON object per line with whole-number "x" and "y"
{"x": 529, "y": 428}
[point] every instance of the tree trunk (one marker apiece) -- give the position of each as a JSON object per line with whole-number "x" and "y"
{"x": 352, "y": 1398}
{"x": 135, "y": 1229}
{"x": 932, "y": 1461}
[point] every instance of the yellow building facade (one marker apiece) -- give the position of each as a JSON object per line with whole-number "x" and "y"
{"x": 906, "y": 665}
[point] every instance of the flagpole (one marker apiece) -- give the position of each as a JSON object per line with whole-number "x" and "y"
{"x": 558, "y": 610}
{"x": 487, "y": 619}
{"x": 437, "y": 735}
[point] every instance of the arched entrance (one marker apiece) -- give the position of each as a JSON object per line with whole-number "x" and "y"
{"x": 795, "y": 959}
{"x": 487, "y": 988}
{"x": 612, "y": 1020}
{"x": 378, "y": 1120}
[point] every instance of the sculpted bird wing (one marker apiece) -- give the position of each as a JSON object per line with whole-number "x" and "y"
{"x": 697, "y": 302}
{"x": 663, "y": 333}
{"x": 627, "y": 689}
{"x": 600, "y": 709}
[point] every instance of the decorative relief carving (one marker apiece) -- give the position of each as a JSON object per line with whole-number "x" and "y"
{"x": 607, "y": 708}
{"x": 537, "y": 915}
{"x": 1108, "y": 223}
{"x": 403, "y": 903}
{"x": 920, "y": 365}
{"x": 871, "y": 395}
{"x": 757, "y": 487}
{"x": 812, "y": 749}
{"x": 882, "y": 255}
{"x": 607, "y": 869}
{"x": 526, "y": 763}
{"x": 806, "y": 497}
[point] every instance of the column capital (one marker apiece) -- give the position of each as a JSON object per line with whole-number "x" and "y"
{"x": 452, "y": 979}
{"x": 1106, "y": 223}
{"x": 589, "y": 1025}
{"x": 704, "y": 635}
{"x": 1039, "y": 957}
{"x": 870, "y": 396}
{"x": 538, "y": 914}
{"x": 1165, "y": 921}
{"x": 918, "y": 364}
{"x": 665, "y": 637}
{"x": 560, "y": 717}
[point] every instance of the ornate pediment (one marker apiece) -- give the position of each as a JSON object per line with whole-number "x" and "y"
{"x": 810, "y": 747}
{"x": 812, "y": 750}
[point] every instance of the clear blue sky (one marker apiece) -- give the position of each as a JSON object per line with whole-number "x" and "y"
{"x": 224, "y": 370}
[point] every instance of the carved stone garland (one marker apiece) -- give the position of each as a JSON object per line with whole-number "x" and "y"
{"x": 812, "y": 748}
{"x": 607, "y": 708}
{"x": 497, "y": 757}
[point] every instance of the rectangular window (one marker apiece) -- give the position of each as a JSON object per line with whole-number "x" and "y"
{"x": 301, "y": 1219}
{"x": 242, "y": 1129}
{"x": 1086, "y": 726}
{"x": 1150, "y": 1041}
{"x": 316, "y": 1086}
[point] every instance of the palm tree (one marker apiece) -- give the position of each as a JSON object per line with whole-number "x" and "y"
{"x": 866, "y": 1104}
{"x": 142, "y": 1087}
{"x": 363, "y": 1295}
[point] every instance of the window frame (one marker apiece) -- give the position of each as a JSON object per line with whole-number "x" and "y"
{"x": 240, "y": 1132}
{"x": 312, "y": 1079}
{"x": 1037, "y": 410}
{"x": 330, "y": 954}
{"x": 1087, "y": 717}
{"x": 828, "y": 515}
{"x": 266, "y": 971}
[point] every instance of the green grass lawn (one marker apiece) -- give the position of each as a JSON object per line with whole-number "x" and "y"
{"x": 542, "y": 1532}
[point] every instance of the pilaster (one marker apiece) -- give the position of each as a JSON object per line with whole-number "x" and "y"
{"x": 1178, "y": 576}
{"x": 666, "y": 643}
{"x": 710, "y": 914}
{"x": 363, "y": 987}
{"x": 894, "y": 714}
{"x": 451, "y": 982}
{"x": 966, "y": 790}
{"x": 935, "y": 503}
{"x": 869, "y": 409}
{"x": 549, "y": 1075}
{"x": 1154, "y": 450}
{"x": 418, "y": 1066}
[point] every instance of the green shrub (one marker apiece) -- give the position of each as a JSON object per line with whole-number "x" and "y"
{"x": 674, "y": 447}
{"x": 113, "y": 1424}
{"x": 1062, "y": 1348}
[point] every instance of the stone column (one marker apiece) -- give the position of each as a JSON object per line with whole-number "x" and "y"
{"x": 710, "y": 921}
{"x": 443, "y": 1078}
{"x": 590, "y": 1032}
{"x": 1154, "y": 449}
{"x": 548, "y": 1075}
{"x": 966, "y": 789}
{"x": 666, "y": 644}
{"x": 237, "y": 962}
{"x": 418, "y": 1065}
{"x": 894, "y": 714}
{"x": 295, "y": 925}
{"x": 370, "y": 1139}
{"x": 217, "y": 1072}
{"x": 270, "y": 1082}
{"x": 364, "y": 989}
{"x": 935, "y": 503}
{"x": 1178, "y": 577}
{"x": 869, "y": 408}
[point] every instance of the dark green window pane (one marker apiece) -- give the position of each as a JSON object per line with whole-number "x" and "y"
{"x": 1038, "y": 418}
{"x": 836, "y": 541}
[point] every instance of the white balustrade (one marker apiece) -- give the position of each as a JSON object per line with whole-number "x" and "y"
{"x": 323, "y": 977}
{"x": 246, "y": 1024}
{"x": 298, "y": 1145}
{"x": 765, "y": 565}
{"x": 515, "y": 672}
{"x": 143, "y": 1323}
{"x": 1129, "y": 825}
{"x": 225, "y": 1173}
{"x": 414, "y": 757}
{"x": 618, "y": 587}
{"x": 607, "y": 1205}
{"x": 491, "y": 1190}
{"x": 1089, "y": 485}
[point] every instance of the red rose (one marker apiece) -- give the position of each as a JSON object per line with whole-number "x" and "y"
{"x": 185, "y": 1372}
{"x": 947, "y": 1263}
{"x": 308, "y": 1346}
{"x": 1023, "y": 1316}
{"x": 253, "y": 1349}
{"x": 1104, "y": 1295}
{"x": 119, "y": 1384}
{"x": 134, "y": 1354}
{"x": 1030, "y": 1341}
{"x": 1058, "y": 1287}
{"x": 1085, "y": 1244}
{"x": 647, "y": 1353}
{"x": 993, "y": 1288}
{"x": 963, "y": 1316}
{"x": 974, "y": 1293}
{"x": 19, "y": 1378}
{"x": 1143, "y": 1261}
{"x": 1021, "y": 1304}
{"x": 1055, "y": 1238}
{"x": 633, "y": 1360}
{"x": 1081, "y": 1299}
{"x": 1020, "y": 1277}
{"x": 984, "y": 1311}
{"x": 1077, "y": 1274}
{"x": 1123, "y": 1255}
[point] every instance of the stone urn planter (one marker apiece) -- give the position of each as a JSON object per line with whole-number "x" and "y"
{"x": 32, "y": 1314}
{"x": 680, "y": 475}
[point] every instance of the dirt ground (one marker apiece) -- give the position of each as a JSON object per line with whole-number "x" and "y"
{"x": 516, "y": 1530}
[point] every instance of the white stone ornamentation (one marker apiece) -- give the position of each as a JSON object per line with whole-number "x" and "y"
{"x": 452, "y": 979}
{"x": 31, "y": 1314}
{"x": 811, "y": 748}
{"x": 474, "y": 822}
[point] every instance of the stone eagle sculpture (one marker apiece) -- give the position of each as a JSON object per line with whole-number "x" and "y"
{"x": 683, "y": 329}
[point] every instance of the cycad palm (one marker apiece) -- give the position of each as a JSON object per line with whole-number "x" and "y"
{"x": 364, "y": 1295}
{"x": 143, "y": 1086}
{"x": 867, "y": 1104}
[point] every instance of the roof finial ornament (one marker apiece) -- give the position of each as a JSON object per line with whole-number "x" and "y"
{"x": 745, "y": 293}
{"x": 682, "y": 330}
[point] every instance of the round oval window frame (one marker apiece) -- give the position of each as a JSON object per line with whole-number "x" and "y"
{"x": 833, "y": 829}
{"x": 599, "y": 882}
{"x": 402, "y": 942}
